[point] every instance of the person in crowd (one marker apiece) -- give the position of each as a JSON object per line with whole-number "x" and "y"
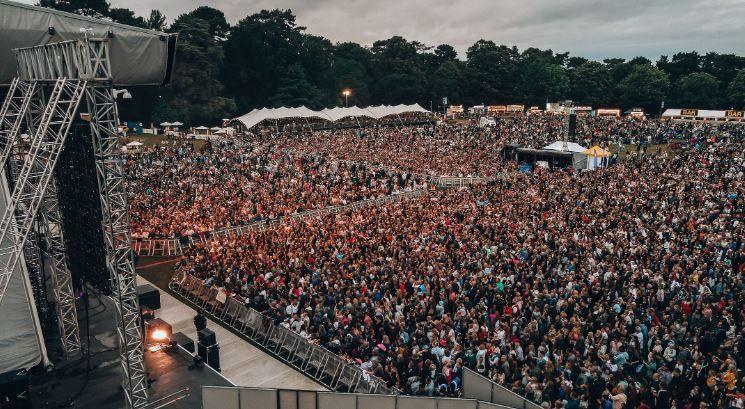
{"x": 620, "y": 287}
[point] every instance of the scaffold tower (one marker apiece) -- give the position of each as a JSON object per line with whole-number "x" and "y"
{"x": 53, "y": 80}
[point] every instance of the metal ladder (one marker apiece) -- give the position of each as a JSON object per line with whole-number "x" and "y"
{"x": 36, "y": 173}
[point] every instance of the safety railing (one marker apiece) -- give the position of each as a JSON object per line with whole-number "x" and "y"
{"x": 478, "y": 387}
{"x": 313, "y": 360}
{"x": 452, "y": 181}
{"x": 175, "y": 247}
{"x": 157, "y": 247}
{"x": 216, "y": 397}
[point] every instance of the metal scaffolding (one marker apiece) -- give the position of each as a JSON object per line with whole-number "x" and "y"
{"x": 75, "y": 70}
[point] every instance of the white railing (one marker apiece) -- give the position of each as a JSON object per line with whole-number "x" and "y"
{"x": 313, "y": 360}
{"x": 175, "y": 247}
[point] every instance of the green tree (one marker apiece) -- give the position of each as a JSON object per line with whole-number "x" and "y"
{"x": 156, "y": 21}
{"x": 196, "y": 93}
{"x": 257, "y": 53}
{"x": 736, "y": 90}
{"x": 352, "y": 68}
{"x": 398, "y": 72}
{"x": 90, "y": 8}
{"x": 645, "y": 86}
{"x": 542, "y": 81}
{"x": 215, "y": 18}
{"x": 590, "y": 83}
{"x": 316, "y": 57}
{"x": 295, "y": 90}
{"x": 447, "y": 81}
{"x": 126, "y": 16}
{"x": 491, "y": 72}
{"x": 723, "y": 66}
{"x": 697, "y": 90}
{"x": 682, "y": 64}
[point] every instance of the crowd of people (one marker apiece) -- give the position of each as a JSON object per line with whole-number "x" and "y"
{"x": 620, "y": 287}
{"x": 178, "y": 190}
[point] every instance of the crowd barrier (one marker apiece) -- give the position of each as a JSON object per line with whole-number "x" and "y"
{"x": 157, "y": 247}
{"x": 175, "y": 247}
{"x": 478, "y": 387}
{"x": 313, "y": 360}
{"x": 215, "y": 397}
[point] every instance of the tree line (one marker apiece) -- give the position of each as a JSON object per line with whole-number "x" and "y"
{"x": 267, "y": 59}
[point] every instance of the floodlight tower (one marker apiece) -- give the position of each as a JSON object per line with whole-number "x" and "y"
{"x": 53, "y": 80}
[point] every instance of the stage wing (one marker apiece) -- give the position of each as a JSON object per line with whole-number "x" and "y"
{"x": 138, "y": 56}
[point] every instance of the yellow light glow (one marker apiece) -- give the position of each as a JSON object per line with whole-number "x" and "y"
{"x": 346, "y": 92}
{"x": 159, "y": 335}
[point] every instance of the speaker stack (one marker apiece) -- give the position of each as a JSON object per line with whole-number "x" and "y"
{"x": 208, "y": 348}
{"x": 572, "y": 124}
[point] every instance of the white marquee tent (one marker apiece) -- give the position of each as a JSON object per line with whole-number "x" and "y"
{"x": 257, "y": 116}
{"x": 570, "y": 147}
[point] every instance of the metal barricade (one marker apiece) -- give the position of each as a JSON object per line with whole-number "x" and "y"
{"x": 347, "y": 380}
{"x": 314, "y": 360}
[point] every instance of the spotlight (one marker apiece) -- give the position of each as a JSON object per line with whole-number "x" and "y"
{"x": 159, "y": 332}
{"x": 51, "y": 30}
{"x": 159, "y": 335}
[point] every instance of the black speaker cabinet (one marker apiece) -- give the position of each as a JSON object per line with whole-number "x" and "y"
{"x": 184, "y": 341}
{"x": 149, "y": 296}
{"x": 207, "y": 337}
{"x": 210, "y": 355}
{"x": 572, "y": 124}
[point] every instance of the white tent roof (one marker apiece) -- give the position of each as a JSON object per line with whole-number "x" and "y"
{"x": 177, "y": 123}
{"x": 256, "y": 116}
{"x": 570, "y": 147}
{"x": 215, "y": 128}
{"x": 135, "y": 143}
{"x": 165, "y": 124}
{"x": 201, "y": 128}
{"x": 702, "y": 113}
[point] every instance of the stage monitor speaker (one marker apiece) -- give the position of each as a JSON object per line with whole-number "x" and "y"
{"x": 210, "y": 355}
{"x": 149, "y": 296}
{"x": 207, "y": 337}
{"x": 572, "y": 124}
{"x": 183, "y": 340}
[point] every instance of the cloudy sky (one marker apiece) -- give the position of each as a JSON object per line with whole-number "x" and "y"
{"x": 591, "y": 28}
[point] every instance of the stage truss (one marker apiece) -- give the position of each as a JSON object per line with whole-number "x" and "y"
{"x": 53, "y": 80}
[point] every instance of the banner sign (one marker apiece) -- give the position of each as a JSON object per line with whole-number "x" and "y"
{"x": 734, "y": 114}
{"x": 496, "y": 108}
{"x": 516, "y": 108}
{"x": 689, "y": 112}
{"x": 608, "y": 112}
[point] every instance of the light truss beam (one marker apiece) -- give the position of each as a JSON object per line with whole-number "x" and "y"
{"x": 119, "y": 256}
{"x": 45, "y": 147}
{"x": 85, "y": 63}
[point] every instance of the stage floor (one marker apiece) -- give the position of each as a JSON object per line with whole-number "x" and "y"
{"x": 241, "y": 363}
{"x": 69, "y": 385}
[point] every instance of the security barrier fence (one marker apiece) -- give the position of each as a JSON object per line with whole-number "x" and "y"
{"x": 214, "y": 397}
{"x": 313, "y": 360}
{"x": 478, "y": 387}
{"x": 175, "y": 247}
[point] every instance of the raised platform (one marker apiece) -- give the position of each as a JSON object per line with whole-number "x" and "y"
{"x": 242, "y": 363}
{"x": 71, "y": 385}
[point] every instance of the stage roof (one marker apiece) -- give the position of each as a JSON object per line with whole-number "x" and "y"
{"x": 138, "y": 56}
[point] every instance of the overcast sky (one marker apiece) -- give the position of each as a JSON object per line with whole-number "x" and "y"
{"x": 592, "y": 28}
